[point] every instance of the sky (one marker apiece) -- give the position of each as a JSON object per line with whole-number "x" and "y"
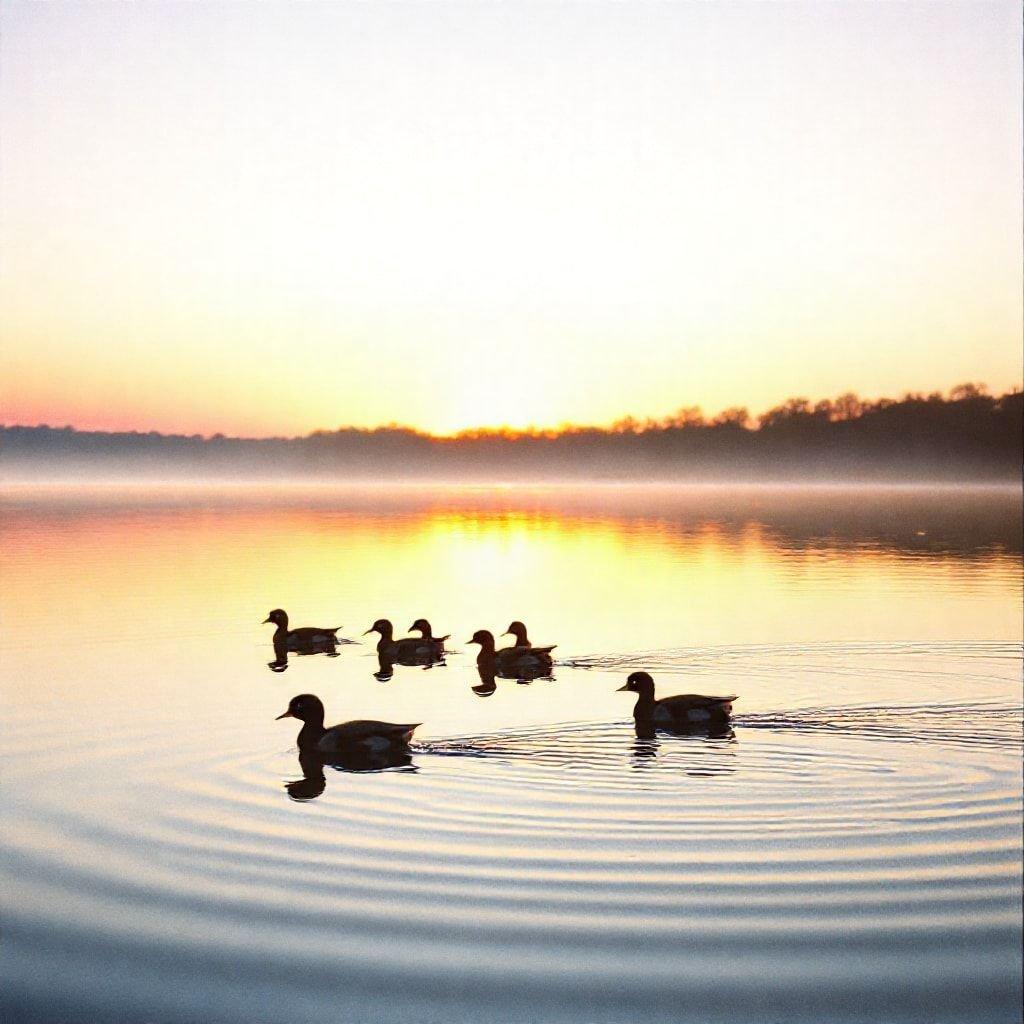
{"x": 269, "y": 219}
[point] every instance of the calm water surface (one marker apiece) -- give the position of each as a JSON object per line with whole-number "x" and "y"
{"x": 851, "y": 852}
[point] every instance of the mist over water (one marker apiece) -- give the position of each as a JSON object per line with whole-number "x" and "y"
{"x": 848, "y": 850}
{"x": 969, "y": 436}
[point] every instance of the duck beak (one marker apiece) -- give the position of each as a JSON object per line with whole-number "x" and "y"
{"x": 507, "y": 632}
{"x": 264, "y": 622}
{"x": 370, "y": 630}
{"x": 621, "y": 688}
{"x": 287, "y": 714}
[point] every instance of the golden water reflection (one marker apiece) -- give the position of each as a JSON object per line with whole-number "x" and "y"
{"x": 609, "y": 570}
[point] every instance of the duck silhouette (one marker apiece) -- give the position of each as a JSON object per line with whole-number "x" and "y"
{"x": 522, "y": 663}
{"x": 361, "y": 737}
{"x": 518, "y": 630}
{"x": 422, "y": 627}
{"x": 679, "y": 713}
{"x": 307, "y": 637}
{"x": 409, "y": 650}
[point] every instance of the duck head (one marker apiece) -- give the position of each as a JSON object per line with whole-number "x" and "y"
{"x": 518, "y": 630}
{"x": 306, "y": 707}
{"x": 423, "y": 627}
{"x": 382, "y": 626}
{"x": 279, "y": 617}
{"x": 483, "y": 637}
{"x": 639, "y": 683}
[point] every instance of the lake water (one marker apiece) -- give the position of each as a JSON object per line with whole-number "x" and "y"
{"x": 851, "y": 852}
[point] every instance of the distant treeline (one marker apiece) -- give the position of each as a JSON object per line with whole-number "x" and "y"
{"x": 967, "y": 435}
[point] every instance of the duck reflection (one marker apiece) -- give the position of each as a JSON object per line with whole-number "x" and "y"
{"x": 644, "y": 752}
{"x": 647, "y": 747}
{"x": 487, "y": 684}
{"x": 387, "y": 660}
{"x": 314, "y": 779}
{"x": 490, "y": 671}
{"x": 283, "y": 647}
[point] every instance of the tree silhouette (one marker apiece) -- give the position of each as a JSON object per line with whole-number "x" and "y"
{"x": 969, "y": 435}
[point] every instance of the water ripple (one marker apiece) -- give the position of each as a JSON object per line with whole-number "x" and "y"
{"x": 546, "y": 860}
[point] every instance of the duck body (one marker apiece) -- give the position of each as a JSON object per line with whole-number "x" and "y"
{"x": 680, "y": 710}
{"x": 528, "y": 659}
{"x": 360, "y": 737}
{"x": 365, "y": 736}
{"x": 302, "y": 638}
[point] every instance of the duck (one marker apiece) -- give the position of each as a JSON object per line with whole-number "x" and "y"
{"x": 414, "y": 650}
{"x": 518, "y": 630}
{"x": 422, "y": 627}
{"x": 304, "y": 636}
{"x": 517, "y": 661}
{"x": 361, "y": 737}
{"x": 681, "y": 710}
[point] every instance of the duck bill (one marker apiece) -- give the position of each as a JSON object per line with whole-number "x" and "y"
{"x": 621, "y": 688}
{"x": 264, "y": 622}
{"x": 287, "y": 714}
{"x": 370, "y": 630}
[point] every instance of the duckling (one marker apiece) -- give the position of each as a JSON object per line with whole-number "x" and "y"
{"x": 518, "y": 630}
{"x": 350, "y": 738}
{"x": 304, "y": 636}
{"x": 410, "y": 650}
{"x": 423, "y": 627}
{"x": 676, "y": 711}
{"x": 515, "y": 661}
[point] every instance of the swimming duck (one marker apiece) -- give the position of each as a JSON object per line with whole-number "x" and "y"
{"x": 349, "y": 738}
{"x": 423, "y": 628}
{"x": 518, "y": 630}
{"x": 514, "y": 661}
{"x": 304, "y": 636}
{"x": 410, "y": 650}
{"x": 676, "y": 711}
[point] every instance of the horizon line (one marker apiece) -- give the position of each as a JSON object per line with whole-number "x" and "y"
{"x": 685, "y": 416}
